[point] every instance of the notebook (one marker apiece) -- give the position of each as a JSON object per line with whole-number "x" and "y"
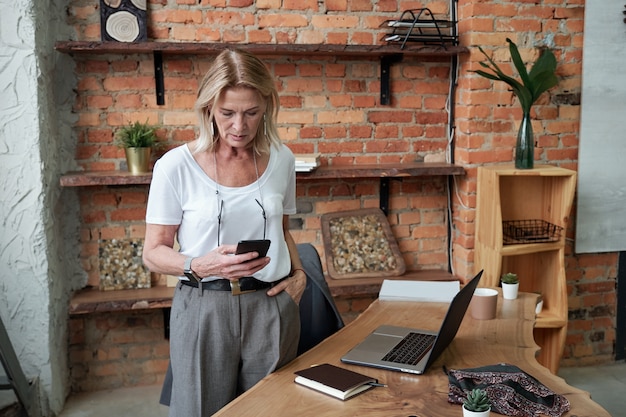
{"x": 412, "y": 350}
{"x": 333, "y": 380}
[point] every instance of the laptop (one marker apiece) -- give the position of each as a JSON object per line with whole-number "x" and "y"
{"x": 412, "y": 350}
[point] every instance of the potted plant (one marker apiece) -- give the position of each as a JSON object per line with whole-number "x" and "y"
{"x": 541, "y": 78}
{"x": 476, "y": 404}
{"x": 539, "y": 306}
{"x": 137, "y": 139}
{"x": 510, "y": 286}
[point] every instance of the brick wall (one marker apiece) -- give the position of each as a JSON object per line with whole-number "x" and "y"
{"x": 117, "y": 349}
{"x": 331, "y": 105}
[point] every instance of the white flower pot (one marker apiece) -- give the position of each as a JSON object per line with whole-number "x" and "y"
{"x": 468, "y": 413}
{"x": 509, "y": 291}
{"x": 539, "y": 307}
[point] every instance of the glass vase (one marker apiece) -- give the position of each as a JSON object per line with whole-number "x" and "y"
{"x": 525, "y": 146}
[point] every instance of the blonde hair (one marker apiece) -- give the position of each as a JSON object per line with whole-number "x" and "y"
{"x": 236, "y": 68}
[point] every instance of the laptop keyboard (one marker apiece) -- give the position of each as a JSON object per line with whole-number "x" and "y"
{"x": 411, "y": 349}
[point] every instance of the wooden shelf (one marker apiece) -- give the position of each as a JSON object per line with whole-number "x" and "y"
{"x": 526, "y": 248}
{"x": 388, "y": 54}
{"x": 92, "y": 300}
{"x": 92, "y": 178}
{"x": 547, "y": 320}
{"x": 416, "y": 169}
{"x": 200, "y": 48}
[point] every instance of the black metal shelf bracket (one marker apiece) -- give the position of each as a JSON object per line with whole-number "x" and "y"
{"x": 158, "y": 78}
{"x": 385, "y": 76}
{"x": 383, "y": 195}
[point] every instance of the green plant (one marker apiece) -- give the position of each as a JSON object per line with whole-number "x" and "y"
{"x": 137, "y": 135}
{"x": 510, "y": 278}
{"x": 542, "y": 75}
{"x": 477, "y": 400}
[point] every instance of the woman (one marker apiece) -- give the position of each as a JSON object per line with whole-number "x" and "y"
{"x": 236, "y": 181}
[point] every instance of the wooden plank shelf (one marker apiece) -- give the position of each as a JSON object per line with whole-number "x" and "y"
{"x": 205, "y": 48}
{"x": 416, "y": 169}
{"x": 91, "y": 300}
{"x": 93, "y": 178}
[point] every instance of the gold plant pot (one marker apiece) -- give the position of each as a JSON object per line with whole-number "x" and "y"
{"x": 138, "y": 160}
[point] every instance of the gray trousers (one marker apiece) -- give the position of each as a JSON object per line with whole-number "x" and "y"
{"x": 221, "y": 345}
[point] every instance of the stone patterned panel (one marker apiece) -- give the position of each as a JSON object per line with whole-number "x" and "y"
{"x": 120, "y": 263}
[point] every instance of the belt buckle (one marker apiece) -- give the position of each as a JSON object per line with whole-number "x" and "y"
{"x": 235, "y": 288}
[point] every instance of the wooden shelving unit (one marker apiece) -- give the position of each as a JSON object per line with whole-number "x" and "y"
{"x": 545, "y": 193}
{"x": 91, "y": 300}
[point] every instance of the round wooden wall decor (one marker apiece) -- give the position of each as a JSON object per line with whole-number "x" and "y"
{"x": 123, "y": 20}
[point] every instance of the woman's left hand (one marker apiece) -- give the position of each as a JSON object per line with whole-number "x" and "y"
{"x": 294, "y": 286}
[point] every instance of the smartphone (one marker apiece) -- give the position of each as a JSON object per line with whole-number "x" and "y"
{"x": 261, "y": 246}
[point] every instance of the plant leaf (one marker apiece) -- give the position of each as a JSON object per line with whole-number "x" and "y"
{"x": 519, "y": 64}
{"x": 487, "y": 75}
{"x": 542, "y": 82}
{"x": 545, "y": 62}
{"x": 493, "y": 66}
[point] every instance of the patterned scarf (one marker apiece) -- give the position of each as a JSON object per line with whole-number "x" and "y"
{"x": 511, "y": 391}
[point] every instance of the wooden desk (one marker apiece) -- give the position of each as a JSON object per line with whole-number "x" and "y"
{"x": 509, "y": 338}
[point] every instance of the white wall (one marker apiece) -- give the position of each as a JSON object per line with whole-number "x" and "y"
{"x": 38, "y": 220}
{"x": 601, "y": 206}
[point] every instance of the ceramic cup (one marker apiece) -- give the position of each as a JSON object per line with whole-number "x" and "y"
{"x": 484, "y": 304}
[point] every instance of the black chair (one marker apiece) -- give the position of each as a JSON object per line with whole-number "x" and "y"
{"x": 319, "y": 317}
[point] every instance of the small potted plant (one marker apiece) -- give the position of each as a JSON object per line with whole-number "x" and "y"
{"x": 510, "y": 286}
{"x": 476, "y": 404}
{"x": 137, "y": 139}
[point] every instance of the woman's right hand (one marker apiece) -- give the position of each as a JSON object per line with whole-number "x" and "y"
{"x": 223, "y": 262}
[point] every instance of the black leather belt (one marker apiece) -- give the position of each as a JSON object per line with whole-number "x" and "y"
{"x": 241, "y": 286}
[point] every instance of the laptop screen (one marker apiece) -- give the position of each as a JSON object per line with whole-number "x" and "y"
{"x": 454, "y": 317}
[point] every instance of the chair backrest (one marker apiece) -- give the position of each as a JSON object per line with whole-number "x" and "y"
{"x": 319, "y": 316}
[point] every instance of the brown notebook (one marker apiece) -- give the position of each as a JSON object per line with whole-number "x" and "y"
{"x": 335, "y": 381}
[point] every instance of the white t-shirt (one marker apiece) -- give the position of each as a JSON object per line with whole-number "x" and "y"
{"x": 182, "y": 194}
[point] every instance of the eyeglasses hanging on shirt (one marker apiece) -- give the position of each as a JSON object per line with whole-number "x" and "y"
{"x": 220, "y": 202}
{"x": 219, "y": 219}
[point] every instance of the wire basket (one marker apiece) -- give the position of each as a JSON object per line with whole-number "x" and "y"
{"x": 530, "y": 231}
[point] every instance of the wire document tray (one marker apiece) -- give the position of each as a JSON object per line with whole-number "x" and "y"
{"x": 529, "y": 231}
{"x": 419, "y": 25}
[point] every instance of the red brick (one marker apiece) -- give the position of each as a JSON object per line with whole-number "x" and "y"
{"x": 334, "y": 21}
{"x": 277, "y": 20}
